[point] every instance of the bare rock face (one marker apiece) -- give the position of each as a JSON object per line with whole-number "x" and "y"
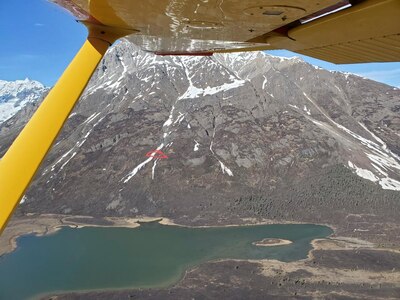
{"x": 243, "y": 133}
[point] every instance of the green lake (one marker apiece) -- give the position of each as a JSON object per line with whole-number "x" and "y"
{"x": 152, "y": 255}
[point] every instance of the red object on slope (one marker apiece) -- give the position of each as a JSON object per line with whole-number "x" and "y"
{"x": 156, "y": 154}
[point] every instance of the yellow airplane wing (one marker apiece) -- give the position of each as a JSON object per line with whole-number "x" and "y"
{"x": 339, "y": 31}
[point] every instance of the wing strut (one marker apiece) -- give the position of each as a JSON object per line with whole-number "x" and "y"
{"x": 23, "y": 158}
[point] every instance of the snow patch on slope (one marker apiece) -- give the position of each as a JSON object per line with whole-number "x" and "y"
{"x": 67, "y": 157}
{"x": 131, "y": 174}
{"x": 377, "y": 152}
{"x": 366, "y": 174}
{"x": 169, "y": 120}
{"x": 225, "y": 169}
{"x": 196, "y": 146}
{"x": 153, "y": 169}
{"x": 195, "y": 92}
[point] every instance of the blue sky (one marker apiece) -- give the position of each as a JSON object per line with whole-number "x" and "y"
{"x": 384, "y": 72}
{"x": 39, "y": 40}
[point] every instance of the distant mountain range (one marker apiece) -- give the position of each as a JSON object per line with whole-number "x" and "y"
{"x": 14, "y": 95}
{"x": 243, "y": 130}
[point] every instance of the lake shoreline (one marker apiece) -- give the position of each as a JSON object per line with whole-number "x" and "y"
{"x": 47, "y": 224}
{"x": 264, "y": 268}
{"x": 115, "y": 231}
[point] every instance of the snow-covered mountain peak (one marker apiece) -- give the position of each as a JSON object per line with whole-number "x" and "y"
{"x": 14, "y": 95}
{"x": 13, "y": 87}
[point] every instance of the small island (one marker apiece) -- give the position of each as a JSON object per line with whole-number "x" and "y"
{"x": 272, "y": 242}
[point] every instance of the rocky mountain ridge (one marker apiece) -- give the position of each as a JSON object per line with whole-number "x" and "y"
{"x": 248, "y": 73}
